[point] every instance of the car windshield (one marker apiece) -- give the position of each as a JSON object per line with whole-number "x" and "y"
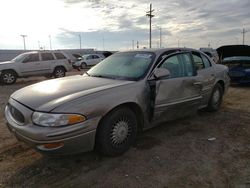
{"x": 124, "y": 65}
{"x": 19, "y": 58}
{"x": 84, "y": 56}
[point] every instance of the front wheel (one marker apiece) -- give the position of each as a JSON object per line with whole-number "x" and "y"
{"x": 215, "y": 99}
{"x": 59, "y": 72}
{"x": 117, "y": 132}
{"x": 8, "y": 77}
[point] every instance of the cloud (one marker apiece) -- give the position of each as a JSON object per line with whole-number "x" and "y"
{"x": 193, "y": 23}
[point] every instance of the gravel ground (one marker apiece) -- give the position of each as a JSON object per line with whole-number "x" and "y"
{"x": 206, "y": 150}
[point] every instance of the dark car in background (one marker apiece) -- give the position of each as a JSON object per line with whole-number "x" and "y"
{"x": 239, "y": 68}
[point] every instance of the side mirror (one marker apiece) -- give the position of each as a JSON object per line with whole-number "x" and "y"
{"x": 161, "y": 73}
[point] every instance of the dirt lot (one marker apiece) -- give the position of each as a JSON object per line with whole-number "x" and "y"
{"x": 175, "y": 154}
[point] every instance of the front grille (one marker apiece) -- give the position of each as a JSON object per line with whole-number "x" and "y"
{"x": 16, "y": 114}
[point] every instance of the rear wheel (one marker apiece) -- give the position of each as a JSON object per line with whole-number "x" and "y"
{"x": 8, "y": 77}
{"x": 215, "y": 99}
{"x": 117, "y": 132}
{"x": 59, "y": 72}
{"x": 83, "y": 65}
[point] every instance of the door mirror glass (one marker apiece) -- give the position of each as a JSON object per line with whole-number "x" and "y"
{"x": 161, "y": 73}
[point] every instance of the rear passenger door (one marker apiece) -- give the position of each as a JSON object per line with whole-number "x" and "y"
{"x": 205, "y": 71}
{"x": 179, "y": 95}
{"x": 47, "y": 62}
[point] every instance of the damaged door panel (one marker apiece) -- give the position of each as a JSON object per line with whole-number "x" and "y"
{"x": 180, "y": 94}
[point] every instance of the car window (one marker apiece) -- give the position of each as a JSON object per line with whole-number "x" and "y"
{"x": 95, "y": 57}
{"x": 89, "y": 57}
{"x": 187, "y": 61}
{"x": 206, "y": 61}
{"x": 47, "y": 56}
{"x": 31, "y": 58}
{"x": 198, "y": 61}
{"x": 59, "y": 56}
{"x": 179, "y": 65}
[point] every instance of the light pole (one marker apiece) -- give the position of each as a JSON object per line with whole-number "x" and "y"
{"x": 80, "y": 41}
{"x": 24, "y": 45}
{"x": 50, "y": 44}
{"x": 160, "y": 37}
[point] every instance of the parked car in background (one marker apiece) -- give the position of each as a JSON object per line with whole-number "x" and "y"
{"x": 107, "y": 106}
{"x": 239, "y": 68}
{"x": 212, "y": 53}
{"x": 37, "y": 63}
{"x": 88, "y": 60}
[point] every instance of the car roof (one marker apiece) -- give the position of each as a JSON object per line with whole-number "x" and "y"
{"x": 159, "y": 51}
{"x": 43, "y": 51}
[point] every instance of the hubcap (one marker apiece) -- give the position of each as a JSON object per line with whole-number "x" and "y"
{"x": 59, "y": 73}
{"x": 8, "y": 78}
{"x": 120, "y": 131}
{"x": 84, "y": 65}
{"x": 216, "y": 96}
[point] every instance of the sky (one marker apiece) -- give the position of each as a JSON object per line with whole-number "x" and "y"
{"x": 114, "y": 25}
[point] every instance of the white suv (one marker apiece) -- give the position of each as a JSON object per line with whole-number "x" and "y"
{"x": 37, "y": 63}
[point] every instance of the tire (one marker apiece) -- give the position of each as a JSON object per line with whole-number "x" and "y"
{"x": 117, "y": 132}
{"x": 8, "y": 77}
{"x": 215, "y": 99}
{"x": 59, "y": 72}
{"x": 83, "y": 65}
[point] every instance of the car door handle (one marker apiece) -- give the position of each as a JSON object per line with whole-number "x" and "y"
{"x": 197, "y": 83}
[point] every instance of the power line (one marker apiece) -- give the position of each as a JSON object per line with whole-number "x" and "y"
{"x": 150, "y": 15}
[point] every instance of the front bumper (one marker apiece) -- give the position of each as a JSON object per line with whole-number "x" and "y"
{"x": 74, "y": 139}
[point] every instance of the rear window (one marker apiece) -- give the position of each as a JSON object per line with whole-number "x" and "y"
{"x": 60, "y": 56}
{"x": 47, "y": 56}
{"x": 206, "y": 61}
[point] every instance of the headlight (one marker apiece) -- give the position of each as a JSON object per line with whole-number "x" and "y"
{"x": 55, "y": 120}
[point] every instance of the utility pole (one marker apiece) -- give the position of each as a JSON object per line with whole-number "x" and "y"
{"x": 243, "y": 33}
{"x": 160, "y": 37}
{"x": 137, "y": 44}
{"x": 24, "y": 45}
{"x": 150, "y": 15}
{"x": 133, "y": 44}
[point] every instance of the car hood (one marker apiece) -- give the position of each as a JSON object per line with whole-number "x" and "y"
{"x": 47, "y": 95}
{"x": 5, "y": 62}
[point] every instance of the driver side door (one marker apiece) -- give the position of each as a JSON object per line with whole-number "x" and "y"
{"x": 30, "y": 65}
{"x": 180, "y": 94}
